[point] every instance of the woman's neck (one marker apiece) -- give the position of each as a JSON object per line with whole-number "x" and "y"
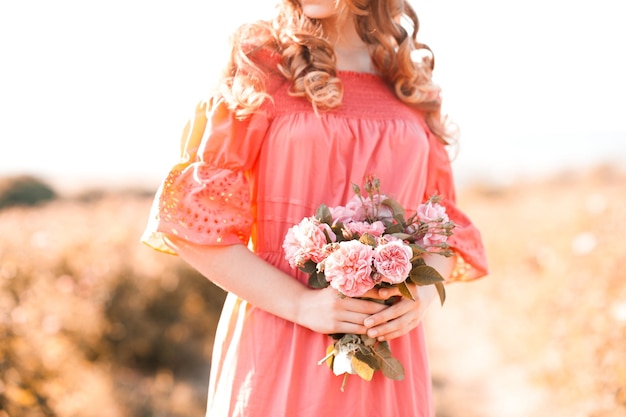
{"x": 351, "y": 52}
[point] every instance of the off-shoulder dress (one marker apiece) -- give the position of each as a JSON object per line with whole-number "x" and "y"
{"x": 248, "y": 181}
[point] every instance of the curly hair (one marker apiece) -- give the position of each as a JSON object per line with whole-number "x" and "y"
{"x": 308, "y": 62}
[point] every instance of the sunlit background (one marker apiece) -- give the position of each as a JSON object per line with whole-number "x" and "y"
{"x": 94, "y": 94}
{"x": 95, "y": 91}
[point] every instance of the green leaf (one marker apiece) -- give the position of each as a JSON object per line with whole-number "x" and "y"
{"x": 313, "y": 283}
{"x": 323, "y": 214}
{"x": 404, "y": 290}
{"x": 318, "y": 280}
{"x": 441, "y": 289}
{"x": 309, "y": 267}
{"x": 425, "y": 275}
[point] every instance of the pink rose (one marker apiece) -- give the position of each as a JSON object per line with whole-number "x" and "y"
{"x": 429, "y": 212}
{"x": 349, "y": 268}
{"x": 432, "y": 215}
{"x": 306, "y": 241}
{"x": 376, "y": 228}
{"x": 363, "y": 208}
{"x": 393, "y": 261}
{"x": 431, "y": 239}
{"x": 356, "y": 207}
{"x": 342, "y": 214}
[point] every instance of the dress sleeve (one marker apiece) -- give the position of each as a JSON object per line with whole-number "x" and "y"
{"x": 205, "y": 198}
{"x": 466, "y": 241}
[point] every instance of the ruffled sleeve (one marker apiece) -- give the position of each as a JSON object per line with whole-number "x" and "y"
{"x": 467, "y": 243}
{"x": 205, "y": 198}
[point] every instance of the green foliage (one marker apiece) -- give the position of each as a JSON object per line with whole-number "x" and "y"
{"x": 323, "y": 214}
{"x": 24, "y": 190}
{"x": 427, "y": 275}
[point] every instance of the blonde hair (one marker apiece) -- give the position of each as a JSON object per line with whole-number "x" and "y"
{"x": 307, "y": 60}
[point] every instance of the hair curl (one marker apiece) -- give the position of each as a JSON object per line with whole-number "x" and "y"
{"x": 308, "y": 62}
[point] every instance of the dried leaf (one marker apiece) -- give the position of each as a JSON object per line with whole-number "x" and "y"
{"x": 400, "y": 235}
{"x": 400, "y": 219}
{"x": 390, "y": 366}
{"x": 330, "y": 353}
{"x": 393, "y": 228}
{"x": 418, "y": 251}
{"x": 441, "y": 289}
{"x": 368, "y": 239}
{"x": 383, "y": 350}
{"x": 425, "y": 275}
{"x": 368, "y": 356}
{"x": 396, "y": 209}
{"x": 405, "y": 291}
{"x": 362, "y": 369}
{"x": 392, "y": 369}
{"x": 368, "y": 341}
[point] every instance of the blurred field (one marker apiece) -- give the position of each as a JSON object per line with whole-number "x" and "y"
{"x": 92, "y": 323}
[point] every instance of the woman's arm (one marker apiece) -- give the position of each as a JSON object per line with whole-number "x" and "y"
{"x": 236, "y": 269}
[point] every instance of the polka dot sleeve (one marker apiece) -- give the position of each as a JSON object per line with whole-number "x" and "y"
{"x": 205, "y": 198}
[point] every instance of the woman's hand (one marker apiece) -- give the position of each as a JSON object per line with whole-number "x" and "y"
{"x": 401, "y": 317}
{"x": 405, "y": 315}
{"x": 327, "y": 311}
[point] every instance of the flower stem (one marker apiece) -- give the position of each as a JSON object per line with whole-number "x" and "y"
{"x": 345, "y": 380}
{"x": 332, "y": 353}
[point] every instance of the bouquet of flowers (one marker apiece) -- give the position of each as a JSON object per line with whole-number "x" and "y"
{"x": 369, "y": 243}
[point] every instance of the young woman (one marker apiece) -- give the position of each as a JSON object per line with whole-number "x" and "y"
{"x": 312, "y": 101}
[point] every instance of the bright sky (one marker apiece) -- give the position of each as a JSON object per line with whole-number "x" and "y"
{"x": 100, "y": 90}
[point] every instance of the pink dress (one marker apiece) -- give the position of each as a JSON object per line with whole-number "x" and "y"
{"x": 247, "y": 182}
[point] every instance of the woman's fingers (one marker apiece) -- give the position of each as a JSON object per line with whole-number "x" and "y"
{"x": 362, "y": 306}
{"x": 325, "y": 311}
{"x": 394, "y": 321}
{"x": 329, "y": 312}
{"x": 351, "y": 313}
